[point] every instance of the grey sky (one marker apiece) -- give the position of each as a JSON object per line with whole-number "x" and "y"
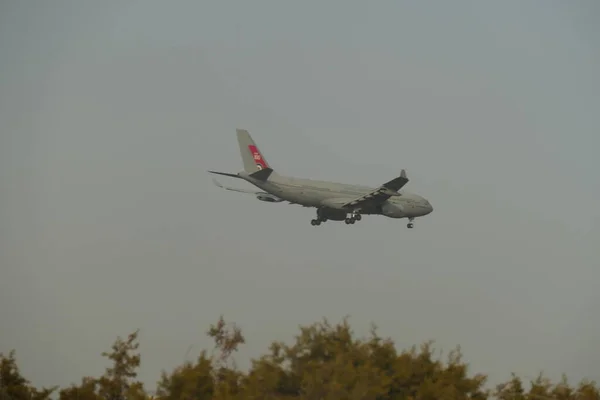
{"x": 111, "y": 112}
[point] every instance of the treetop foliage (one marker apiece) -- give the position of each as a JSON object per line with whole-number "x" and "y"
{"x": 324, "y": 362}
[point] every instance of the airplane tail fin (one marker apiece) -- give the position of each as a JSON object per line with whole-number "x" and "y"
{"x": 253, "y": 159}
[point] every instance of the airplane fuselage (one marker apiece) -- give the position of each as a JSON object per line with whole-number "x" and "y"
{"x": 329, "y": 196}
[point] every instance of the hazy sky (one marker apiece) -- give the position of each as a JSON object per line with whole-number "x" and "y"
{"x": 112, "y": 111}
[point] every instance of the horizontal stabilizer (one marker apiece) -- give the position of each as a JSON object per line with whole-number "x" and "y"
{"x": 262, "y": 174}
{"x": 226, "y": 174}
{"x": 217, "y": 183}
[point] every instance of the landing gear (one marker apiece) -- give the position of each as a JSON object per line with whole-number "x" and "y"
{"x": 353, "y": 218}
{"x": 317, "y": 221}
{"x": 410, "y": 224}
{"x": 336, "y": 215}
{"x": 321, "y": 217}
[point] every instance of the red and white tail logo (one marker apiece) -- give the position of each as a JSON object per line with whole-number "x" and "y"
{"x": 258, "y": 158}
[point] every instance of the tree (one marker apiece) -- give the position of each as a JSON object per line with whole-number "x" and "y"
{"x": 87, "y": 390}
{"x": 210, "y": 377}
{"x": 227, "y": 338}
{"x": 543, "y": 389}
{"x": 189, "y": 381}
{"x": 118, "y": 382}
{"x": 328, "y": 362}
{"x": 13, "y": 386}
{"x": 324, "y": 361}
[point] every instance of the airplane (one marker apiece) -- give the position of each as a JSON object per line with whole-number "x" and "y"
{"x": 333, "y": 201}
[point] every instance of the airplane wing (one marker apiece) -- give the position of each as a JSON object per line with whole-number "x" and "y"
{"x": 381, "y": 194}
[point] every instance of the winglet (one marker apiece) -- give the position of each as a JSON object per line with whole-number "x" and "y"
{"x": 397, "y": 183}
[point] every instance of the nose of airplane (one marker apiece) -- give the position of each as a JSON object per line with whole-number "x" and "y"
{"x": 429, "y": 206}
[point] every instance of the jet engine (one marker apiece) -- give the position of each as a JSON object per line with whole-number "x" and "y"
{"x": 391, "y": 210}
{"x": 268, "y": 198}
{"x": 332, "y": 214}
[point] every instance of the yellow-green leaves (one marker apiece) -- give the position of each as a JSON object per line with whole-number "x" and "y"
{"x": 324, "y": 361}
